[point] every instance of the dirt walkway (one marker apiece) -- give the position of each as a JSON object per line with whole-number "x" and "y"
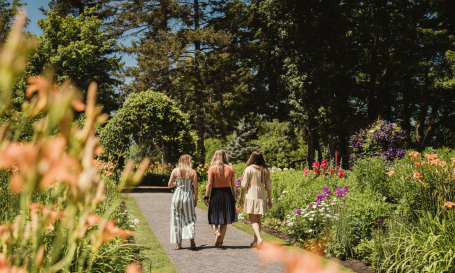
{"x": 235, "y": 256}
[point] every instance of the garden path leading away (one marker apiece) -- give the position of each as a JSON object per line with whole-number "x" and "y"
{"x": 235, "y": 256}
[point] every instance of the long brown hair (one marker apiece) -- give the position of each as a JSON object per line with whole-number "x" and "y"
{"x": 257, "y": 159}
{"x": 219, "y": 159}
{"x": 184, "y": 165}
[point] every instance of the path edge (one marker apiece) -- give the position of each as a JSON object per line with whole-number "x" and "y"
{"x": 152, "y": 252}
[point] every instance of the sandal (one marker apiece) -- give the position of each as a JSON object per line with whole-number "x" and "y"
{"x": 253, "y": 245}
{"x": 218, "y": 239}
{"x": 178, "y": 247}
{"x": 193, "y": 244}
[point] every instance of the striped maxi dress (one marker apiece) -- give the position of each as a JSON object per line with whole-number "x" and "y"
{"x": 183, "y": 214}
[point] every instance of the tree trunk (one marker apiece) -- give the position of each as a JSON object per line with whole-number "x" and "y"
{"x": 200, "y": 128}
{"x": 165, "y": 153}
{"x": 313, "y": 143}
{"x": 422, "y": 115}
{"x": 406, "y": 111}
{"x": 372, "y": 109}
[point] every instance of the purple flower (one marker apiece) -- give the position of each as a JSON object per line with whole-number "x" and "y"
{"x": 297, "y": 211}
{"x": 320, "y": 197}
{"x": 379, "y": 220}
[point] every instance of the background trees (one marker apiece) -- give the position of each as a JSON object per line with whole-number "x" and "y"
{"x": 317, "y": 65}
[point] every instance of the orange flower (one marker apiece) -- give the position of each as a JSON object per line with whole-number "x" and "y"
{"x": 417, "y": 164}
{"x": 46, "y": 160}
{"x": 93, "y": 219}
{"x": 432, "y": 156}
{"x": 453, "y": 160}
{"x": 390, "y": 173}
{"x": 5, "y": 268}
{"x": 50, "y": 227}
{"x": 296, "y": 263}
{"x": 111, "y": 231}
{"x": 449, "y": 204}
{"x": 418, "y": 175}
{"x": 414, "y": 154}
{"x": 133, "y": 268}
{"x": 51, "y": 215}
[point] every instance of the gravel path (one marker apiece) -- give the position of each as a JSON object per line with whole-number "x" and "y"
{"x": 235, "y": 256}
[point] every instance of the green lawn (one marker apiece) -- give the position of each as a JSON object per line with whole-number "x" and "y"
{"x": 154, "y": 258}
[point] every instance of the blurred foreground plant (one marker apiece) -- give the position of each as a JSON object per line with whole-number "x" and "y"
{"x": 60, "y": 232}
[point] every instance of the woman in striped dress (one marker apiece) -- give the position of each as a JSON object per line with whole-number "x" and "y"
{"x": 183, "y": 214}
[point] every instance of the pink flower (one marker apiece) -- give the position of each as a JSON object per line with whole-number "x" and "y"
{"x": 331, "y": 172}
{"x": 324, "y": 165}
{"x": 340, "y": 173}
{"x": 305, "y": 172}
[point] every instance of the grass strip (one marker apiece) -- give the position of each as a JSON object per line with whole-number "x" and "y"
{"x": 154, "y": 258}
{"x": 270, "y": 238}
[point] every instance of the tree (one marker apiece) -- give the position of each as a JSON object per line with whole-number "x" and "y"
{"x": 75, "y": 48}
{"x": 149, "y": 119}
{"x": 7, "y": 12}
{"x": 240, "y": 149}
{"x": 191, "y": 51}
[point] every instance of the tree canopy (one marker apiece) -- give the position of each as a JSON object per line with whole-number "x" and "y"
{"x": 149, "y": 119}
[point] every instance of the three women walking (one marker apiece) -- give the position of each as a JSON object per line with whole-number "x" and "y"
{"x": 220, "y": 197}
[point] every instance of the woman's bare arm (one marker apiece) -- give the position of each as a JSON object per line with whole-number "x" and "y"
{"x": 171, "y": 183}
{"x": 195, "y": 187}
{"x": 209, "y": 188}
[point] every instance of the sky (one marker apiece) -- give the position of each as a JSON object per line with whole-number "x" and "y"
{"x": 34, "y": 14}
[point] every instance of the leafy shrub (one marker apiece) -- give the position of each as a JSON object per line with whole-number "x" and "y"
{"x": 381, "y": 139}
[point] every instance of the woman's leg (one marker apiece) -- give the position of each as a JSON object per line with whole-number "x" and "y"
{"x": 215, "y": 228}
{"x": 254, "y": 223}
{"x": 223, "y": 229}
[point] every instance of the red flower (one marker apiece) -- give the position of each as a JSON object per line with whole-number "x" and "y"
{"x": 340, "y": 173}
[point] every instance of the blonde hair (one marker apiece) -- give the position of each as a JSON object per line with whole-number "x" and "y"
{"x": 219, "y": 159}
{"x": 184, "y": 165}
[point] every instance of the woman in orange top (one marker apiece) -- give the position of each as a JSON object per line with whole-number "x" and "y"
{"x": 221, "y": 187}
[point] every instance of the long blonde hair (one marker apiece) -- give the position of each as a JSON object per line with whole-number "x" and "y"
{"x": 219, "y": 159}
{"x": 184, "y": 165}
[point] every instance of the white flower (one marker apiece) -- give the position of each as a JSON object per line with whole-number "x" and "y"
{"x": 290, "y": 224}
{"x": 279, "y": 169}
{"x": 279, "y": 198}
{"x": 311, "y": 219}
{"x": 321, "y": 210}
{"x": 306, "y": 214}
{"x": 285, "y": 169}
{"x": 313, "y": 212}
{"x": 328, "y": 216}
{"x": 285, "y": 192}
{"x": 310, "y": 230}
{"x": 240, "y": 217}
{"x": 291, "y": 169}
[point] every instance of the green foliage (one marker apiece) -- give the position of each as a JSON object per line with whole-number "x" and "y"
{"x": 149, "y": 119}
{"x": 75, "y": 48}
{"x": 7, "y": 12}
{"x": 240, "y": 148}
{"x": 280, "y": 145}
{"x": 211, "y": 145}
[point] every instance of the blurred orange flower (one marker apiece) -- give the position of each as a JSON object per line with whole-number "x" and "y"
{"x": 111, "y": 231}
{"x": 93, "y": 219}
{"x": 133, "y": 268}
{"x": 431, "y": 156}
{"x": 417, "y": 164}
{"x": 414, "y": 154}
{"x": 51, "y": 215}
{"x": 390, "y": 173}
{"x": 296, "y": 263}
{"x": 5, "y": 268}
{"x": 449, "y": 204}
{"x": 418, "y": 175}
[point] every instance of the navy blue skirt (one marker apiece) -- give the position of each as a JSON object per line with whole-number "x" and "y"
{"x": 222, "y": 207}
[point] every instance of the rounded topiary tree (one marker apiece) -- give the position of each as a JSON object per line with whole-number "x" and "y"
{"x": 149, "y": 119}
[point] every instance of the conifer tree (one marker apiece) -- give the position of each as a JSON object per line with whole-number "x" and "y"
{"x": 240, "y": 149}
{"x": 190, "y": 50}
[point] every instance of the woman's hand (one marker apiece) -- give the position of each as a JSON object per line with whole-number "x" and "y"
{"x": 270, "y": 204}
{"x": 241, "y": 201}
{"x": 206, "y": 202}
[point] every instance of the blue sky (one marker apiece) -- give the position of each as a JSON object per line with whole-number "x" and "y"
{"x": 34, "y": 14}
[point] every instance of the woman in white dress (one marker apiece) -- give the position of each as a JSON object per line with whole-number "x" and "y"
{"x": 257, "y": 185}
